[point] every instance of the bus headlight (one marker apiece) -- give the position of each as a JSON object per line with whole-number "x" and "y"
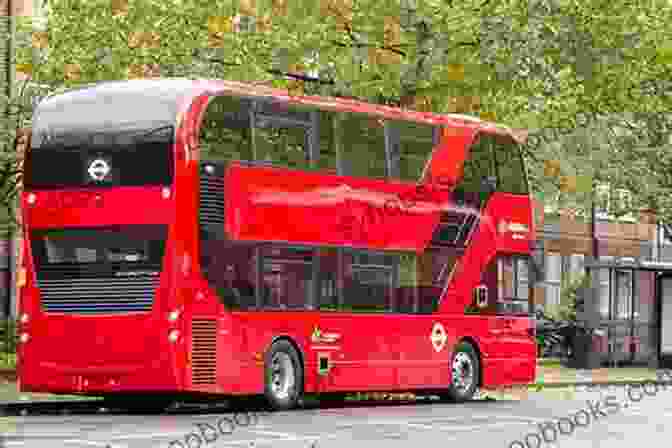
{"x": 173, "y": 315}
{"x": 24, "y": 318}
{"x": 165, "y": 192}
{"x": 24, "y": 338}
{"x": 32, "y": 198}
{"x": 174, "y": 335}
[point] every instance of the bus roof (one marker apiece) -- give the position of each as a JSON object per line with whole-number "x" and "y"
{"x": 150, "y": 103}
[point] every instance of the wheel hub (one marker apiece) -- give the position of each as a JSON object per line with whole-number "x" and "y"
{"x": 283, "y": 377}
{"x": 463, "y": 372}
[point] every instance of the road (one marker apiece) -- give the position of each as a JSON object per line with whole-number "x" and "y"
{"x": 479, "y": 423}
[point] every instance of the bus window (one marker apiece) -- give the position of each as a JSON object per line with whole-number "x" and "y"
{"x": 287, "y": 278}
{"x": 267, "y": 130}
{"x": 506, "y": 286}
{"x": 511, "y": 176}
{"x": 328, "y": 148}
{"x": 434, "y": 268}
{"x": 513, "y": 285}
{"x": 281, "y": 134}
{"x": 414, "y": 144}
{"x": 478, "y": 168}
{"x": 363, "y": 146}
{"x": 225, "y": 130}
{"x": 227, "y": 268}
{"x": 328, "y": 292}
{"x": 368, "y": 282}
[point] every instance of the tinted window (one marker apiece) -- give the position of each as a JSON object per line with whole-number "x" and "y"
{"x": 478, "y": 166}
{"x": 507, "y": 287}
{"x": 230, "y": 269}
{"x": 363, "y": 149}
{"x": 266, "y": 130}
{"x": 511, "y": 175}
{"x": 119, "y": 161}
{"x": 415, "y": 144}
{"x": 368, "y": 282}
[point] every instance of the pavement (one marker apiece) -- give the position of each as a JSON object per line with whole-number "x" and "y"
{"x": 564, "y": 417}
{"x": 548, "y": 376}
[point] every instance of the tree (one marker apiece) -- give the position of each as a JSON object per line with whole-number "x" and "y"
{"x": 557, "y": 68}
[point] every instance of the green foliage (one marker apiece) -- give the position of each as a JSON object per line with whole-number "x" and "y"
{"x": 8, "y": 336}
{"x": 570, "y": 293}
{"x": 7, "y": 360}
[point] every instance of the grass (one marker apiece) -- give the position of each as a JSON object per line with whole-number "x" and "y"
{"x": 549, "y": 362}
{"x": 10, "y": 393}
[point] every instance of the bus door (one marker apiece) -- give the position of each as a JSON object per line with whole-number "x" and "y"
{"x": 356, "y": 327}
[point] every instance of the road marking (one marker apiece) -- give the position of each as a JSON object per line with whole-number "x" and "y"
{"x": 273, "y": 433}
{"x": 520, "y": 418}
{"x": 162, "y": 435}
{"x": 248, "y": 442}
{"x": 87, "y": 442}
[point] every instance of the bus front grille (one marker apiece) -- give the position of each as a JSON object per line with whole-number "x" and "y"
{"x": 203, "y": 351}
{"x": 100, "y": 295}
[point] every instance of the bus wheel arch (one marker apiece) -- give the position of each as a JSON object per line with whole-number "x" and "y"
{"x": 284, "y": 373}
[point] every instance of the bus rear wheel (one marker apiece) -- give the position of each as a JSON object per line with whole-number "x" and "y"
{"x": 283, "y": 373}
{"x": 465, "y": 374}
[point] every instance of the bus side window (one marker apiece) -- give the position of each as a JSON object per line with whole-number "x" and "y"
{"x": 226, "y": 270}
{"x": 362, "y": 148}
{"x": 328, "y": 293}
{"x": 368, "y": 283}
{"x": 513, "y": 284}
{"x": 510, "y": 169}
{"x": 287, "y": 278}
{"x": 479, "y": 170}
{"x": 225, "y": 133}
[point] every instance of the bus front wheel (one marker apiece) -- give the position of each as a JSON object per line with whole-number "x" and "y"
{"x": 283, "y": 374}
{"x": 465, "y": 374}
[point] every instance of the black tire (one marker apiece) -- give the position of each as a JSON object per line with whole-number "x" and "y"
{"x": 283, "y": 376}
{"x": 465, "y": 356}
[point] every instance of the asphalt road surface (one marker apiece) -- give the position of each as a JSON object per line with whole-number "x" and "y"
{"x": 622, "y": 419}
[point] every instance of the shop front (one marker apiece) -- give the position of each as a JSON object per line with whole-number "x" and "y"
{"x": 631, "y": 312}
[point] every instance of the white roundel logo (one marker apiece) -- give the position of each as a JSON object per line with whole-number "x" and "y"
{"x": 438, "y": 337}
{"x": 99, "y": 169}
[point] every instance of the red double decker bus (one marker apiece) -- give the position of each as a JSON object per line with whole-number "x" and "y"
{"x": 213, "y": 237}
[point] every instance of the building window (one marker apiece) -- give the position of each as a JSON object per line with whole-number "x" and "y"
{"x": 553, "y": 278}
{"x": 576, "y": 266}
{"x": 623, "y": 295}
{"x": 605, "y": 288}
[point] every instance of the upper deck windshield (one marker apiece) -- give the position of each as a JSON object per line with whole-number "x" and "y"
{"x": 111, "y": 160}
{"x": 494, "y": 163}
{"x": 126, "y": 128}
